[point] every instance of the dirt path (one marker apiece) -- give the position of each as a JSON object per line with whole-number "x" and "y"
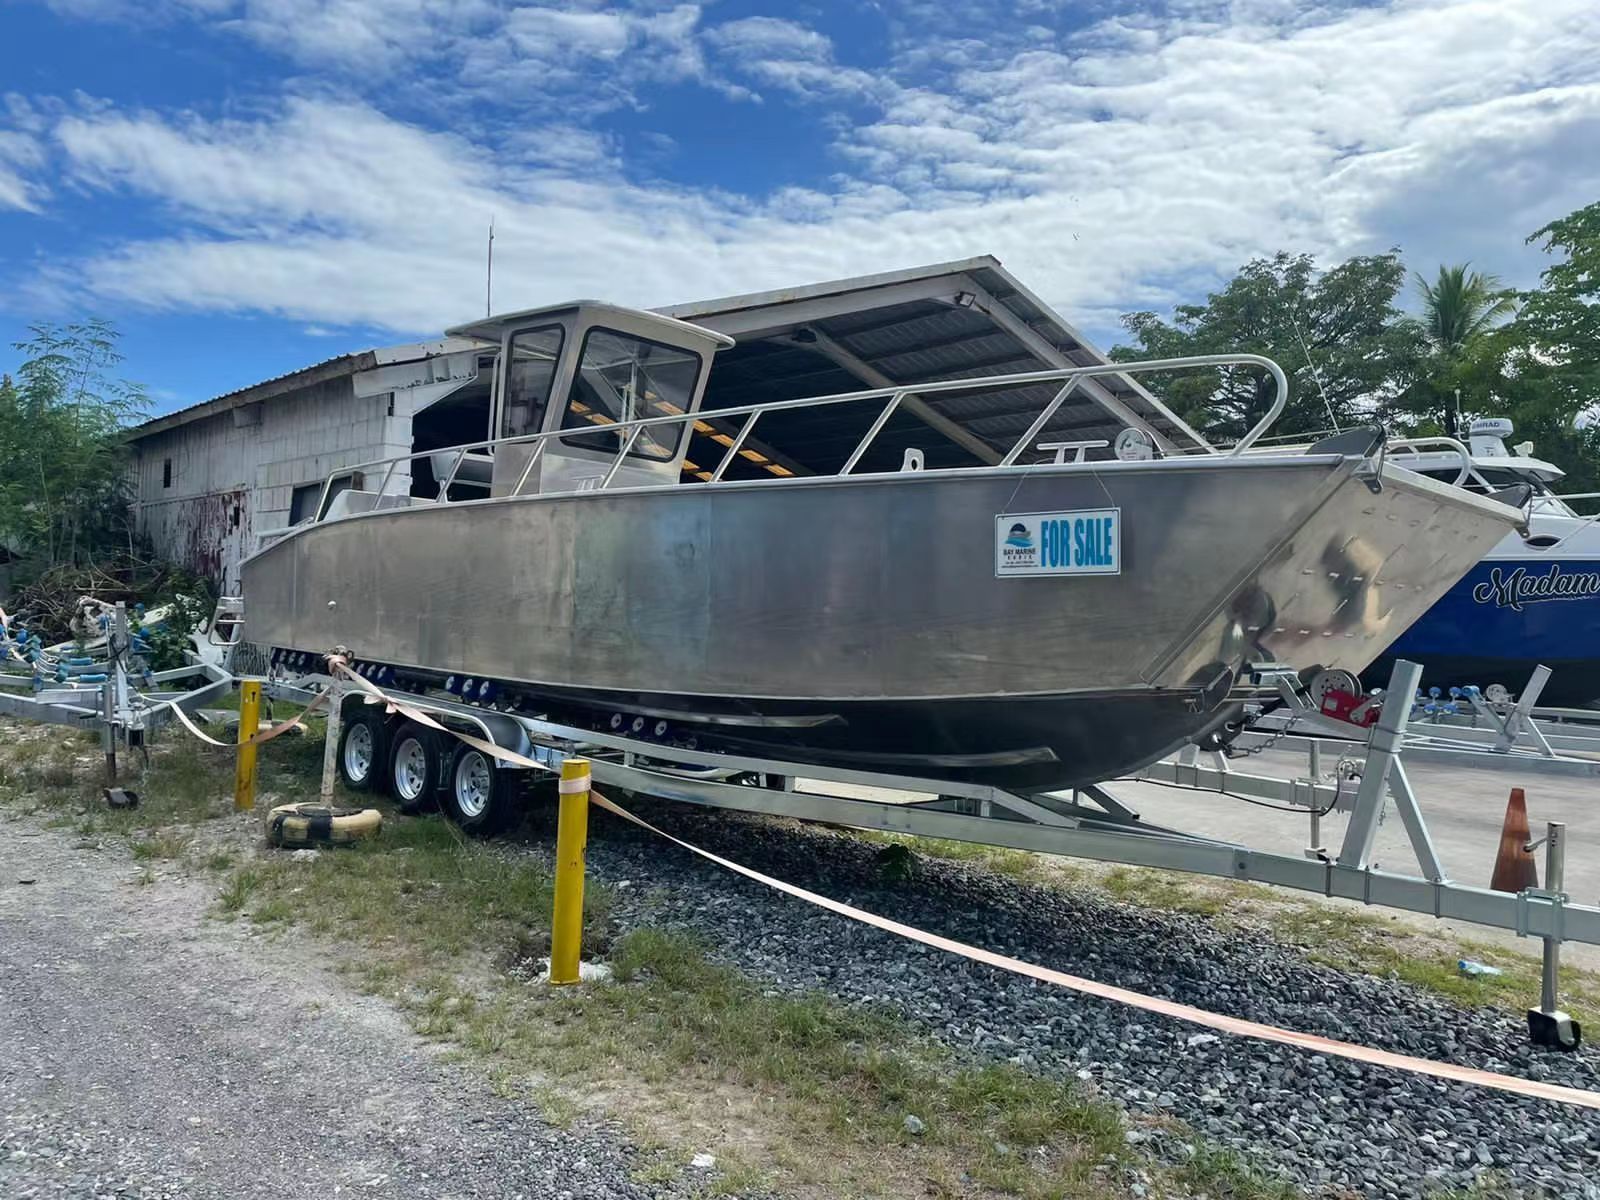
{"x": 148, "y": 1051}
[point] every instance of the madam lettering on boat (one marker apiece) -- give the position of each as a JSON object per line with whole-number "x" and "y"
{"x": 1511, "y": 590}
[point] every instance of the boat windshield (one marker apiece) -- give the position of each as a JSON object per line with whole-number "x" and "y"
{"x": 534, "y": 354}
{"x": 1496, "y": 477}
{"x": 622, "y": 377}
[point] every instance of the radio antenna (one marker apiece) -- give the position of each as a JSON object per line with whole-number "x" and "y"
{"x": 488, "y": 282}
{"x": 1315, "y": 374}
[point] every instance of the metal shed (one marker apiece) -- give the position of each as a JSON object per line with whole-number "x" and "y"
{"x": 956, "y": 320}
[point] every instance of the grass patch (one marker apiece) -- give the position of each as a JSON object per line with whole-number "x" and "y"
{"x": 162, "y": 846}
{"x": 1166, "y": 891}
{"x": 1381, "y": 946}
{"x": 61, "y": 776}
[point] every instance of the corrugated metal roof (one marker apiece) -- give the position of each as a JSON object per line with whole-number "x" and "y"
{"x": 329, "y": 368}
{"x": 962, "y": 320}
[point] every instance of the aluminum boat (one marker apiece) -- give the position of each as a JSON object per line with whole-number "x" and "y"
{"x": 1065, "y": 613}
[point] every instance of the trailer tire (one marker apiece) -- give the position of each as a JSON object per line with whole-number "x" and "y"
{"x": 363, "y": 747}
{"x": 312, "y": 824}
{"x": 480, "y": 797}
{"x": 416, "y": 763}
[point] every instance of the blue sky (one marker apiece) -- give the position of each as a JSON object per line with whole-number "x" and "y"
{"x": 248, "y": 186}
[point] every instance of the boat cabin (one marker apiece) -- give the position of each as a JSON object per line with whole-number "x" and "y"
{"x": 581, "y": 367}
{"x": 1493, "y": 463}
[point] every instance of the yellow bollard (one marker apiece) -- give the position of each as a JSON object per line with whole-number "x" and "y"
{"x": 572, "y": 834}
{"x": 244, "y": 771}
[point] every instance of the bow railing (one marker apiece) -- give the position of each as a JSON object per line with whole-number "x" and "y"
{"x": 629, "y": 431}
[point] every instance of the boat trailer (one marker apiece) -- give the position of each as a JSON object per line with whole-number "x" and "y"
{"x": 105, "y": 685}
{"x": 1085, "y": 822}
{"x": 115, "y": 695}
{"x": 1466, "y": 726}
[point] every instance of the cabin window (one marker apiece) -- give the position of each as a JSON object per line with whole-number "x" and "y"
{"x": 622, "y": 377}
{"x": 534, "y": 353}
{"x": 166, "y": 472}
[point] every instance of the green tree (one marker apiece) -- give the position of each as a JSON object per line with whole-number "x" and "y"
{"x": 1337, "y": 335}
{"x": 63, "y": 465}
{"x": 1458, "y": 310}
{"x": 1546, "y": 362}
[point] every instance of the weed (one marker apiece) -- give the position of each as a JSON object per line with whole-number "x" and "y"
{"x": 159, "y": 846}
{"x": 238, "y": 890}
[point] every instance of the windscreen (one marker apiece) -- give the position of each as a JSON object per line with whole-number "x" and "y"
{"x": 622, "y": 377}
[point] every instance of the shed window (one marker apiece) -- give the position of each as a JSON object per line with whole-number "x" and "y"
{"x": 303, "y": 503}
{"x": 166, "y": 472}
{"x": 621, "y": 377}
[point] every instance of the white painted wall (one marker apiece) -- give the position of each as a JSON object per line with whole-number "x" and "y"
{"x": 253, "y": 462}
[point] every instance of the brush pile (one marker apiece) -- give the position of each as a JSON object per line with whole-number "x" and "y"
{"x": 50, "y": 603}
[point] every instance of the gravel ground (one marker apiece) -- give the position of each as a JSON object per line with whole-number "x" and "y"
{"x": 1319, "y": 1121}
{"x": 148, "y": 1052}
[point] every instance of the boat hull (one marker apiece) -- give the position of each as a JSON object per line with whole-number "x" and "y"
{"x": 1509, "y": 614}
{"x": 876, "y": 599}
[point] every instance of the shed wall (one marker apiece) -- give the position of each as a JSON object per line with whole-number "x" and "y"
{"x": 233, "y": 474}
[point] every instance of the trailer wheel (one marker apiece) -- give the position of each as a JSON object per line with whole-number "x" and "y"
{"x": 415, "y": 762}
{"x": 479, "y": 796}
{"x": 362, "y": 747}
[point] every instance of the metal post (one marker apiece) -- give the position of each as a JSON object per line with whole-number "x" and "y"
{"x": 330, "y": 748}
{"x": 1384, "y": 745}
{"x": 572, "y": 834}
{"x": 244, "y": 769}
{"x": 1554, "y": 868}
{"x": 1315, "y": 849}
{"x": 1521, "y": 716}
{"x": 1547, "y": 1024}
{"x": 108, "y": 728}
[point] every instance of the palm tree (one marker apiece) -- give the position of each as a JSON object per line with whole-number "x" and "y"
{"x": 1457, "y": 309}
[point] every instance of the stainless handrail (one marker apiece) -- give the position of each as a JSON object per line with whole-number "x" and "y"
{"x": 735, "y": 446}
{"x": 632, "y": 428}
{"x": 1468, "y": 470}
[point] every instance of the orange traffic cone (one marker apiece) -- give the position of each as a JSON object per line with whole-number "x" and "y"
{"x": 1514, "y": 867}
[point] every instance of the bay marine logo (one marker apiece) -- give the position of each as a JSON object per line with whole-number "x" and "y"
{"x": 1019, "y": 538}
{"x": 1517, "y": 588}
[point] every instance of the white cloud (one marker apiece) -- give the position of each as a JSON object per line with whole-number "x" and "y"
{"x": 20, "y": 157}
{"x": 1127, "y": 165}
{"x": 787, "y": 55}
{"x": 771, "y": 37}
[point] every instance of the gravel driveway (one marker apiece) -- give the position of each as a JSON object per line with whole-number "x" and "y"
{"x": 148, "y": 1052}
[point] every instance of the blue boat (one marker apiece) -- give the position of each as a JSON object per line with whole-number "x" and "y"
{"x": 1532, "y": 600}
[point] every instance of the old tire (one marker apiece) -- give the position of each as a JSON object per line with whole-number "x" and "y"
{"x": 363, "y": 747}
{"x": 479, "y": 796}
{"x": 315, "y": 824}
{"x": 416, "y": 764}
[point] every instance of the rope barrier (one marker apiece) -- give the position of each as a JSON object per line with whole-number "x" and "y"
{"x": 266, "y": 735}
